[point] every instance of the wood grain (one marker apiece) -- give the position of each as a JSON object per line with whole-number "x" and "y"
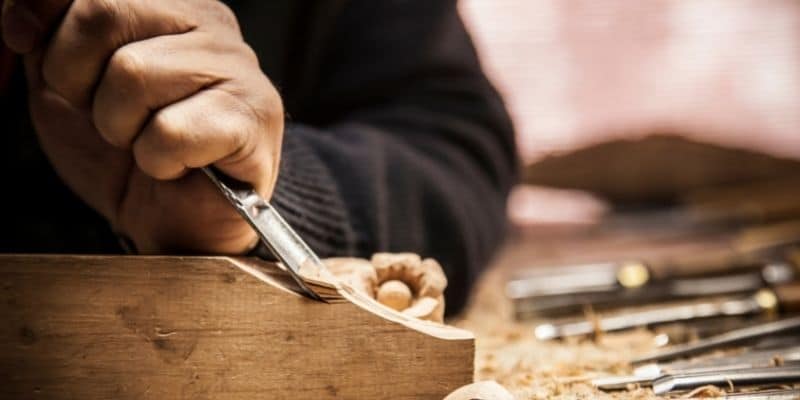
{"x": 77, "y": 327}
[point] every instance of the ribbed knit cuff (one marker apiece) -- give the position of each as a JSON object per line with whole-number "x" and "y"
{"x": 308, "y": 198}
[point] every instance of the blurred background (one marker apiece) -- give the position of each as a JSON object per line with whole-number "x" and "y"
{"x": 657, "y": 136}
{"x": 627, "y": 105}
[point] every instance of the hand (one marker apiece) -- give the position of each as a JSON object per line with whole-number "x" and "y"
{"x": 129, "y": 97}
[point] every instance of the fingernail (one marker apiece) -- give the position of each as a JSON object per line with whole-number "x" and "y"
{"x": 21, "y": 28}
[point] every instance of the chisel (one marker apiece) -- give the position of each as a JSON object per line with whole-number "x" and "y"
{"x": 282, "y": 241}
{"x": 787, "y": 394}
{"x": 735, "y": 378}
{"x": 657, "y": 291}
{"x": 579, "y": 278}
{"x": 732, "y": 338}
{"x": 613, "y": 275}
{"x": 633, "y": 273}
{"x": 645, "y": 375}
{"x": 784, "y": 297}
{"x": 748, "y": 359}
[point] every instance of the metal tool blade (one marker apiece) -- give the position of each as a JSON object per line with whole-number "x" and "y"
{"x": 535, "y": 297}
{"x": 272, "y": 230}
{"x": 541, "y": 282}
{"x": 736, "y": 378}
{"x": 652, "y": 293}
{"x": 660, "y": 315}
{"x": 788, "y": 394}
{"x": 610, "y": 383}
{"x": 748, "y": 359}
{"x": 645, "y": 375}
{"x": 735, "y": 337}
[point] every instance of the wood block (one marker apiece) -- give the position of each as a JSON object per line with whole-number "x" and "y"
{"x": 94, "y": 327}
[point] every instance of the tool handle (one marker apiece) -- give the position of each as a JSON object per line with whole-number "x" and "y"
{"x": 788, "y": 296}
{"x": 708, "y": 263}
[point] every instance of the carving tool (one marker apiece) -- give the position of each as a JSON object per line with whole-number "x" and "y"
{"x": 284, "y": 243}
{"x": 739, "y": 336}
{"x": 645, "y": 375}
{"x": 777, "y": 342}
{"x": 788, "y": 394}
{"x": 748, "y": 359}
{"x": 734, "y": 378}
{"x": 603, "y": 276}
{"x": 769, "y": 238}
{"x": 753, "y": 251}
{"x": 787, "y": 297}
{"x": 687, "y": 331}
{"x": 627, "y": 274}
{"x": 527, "y": 304}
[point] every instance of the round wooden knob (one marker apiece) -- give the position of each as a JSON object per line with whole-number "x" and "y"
{"x": 395, "y": 295}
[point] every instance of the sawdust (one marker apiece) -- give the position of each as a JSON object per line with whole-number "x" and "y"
{"x": 508, "y": 352}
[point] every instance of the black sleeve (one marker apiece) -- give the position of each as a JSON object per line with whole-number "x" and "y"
{"x": 403, "y": 145}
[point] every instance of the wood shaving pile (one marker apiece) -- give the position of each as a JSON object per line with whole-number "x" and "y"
{"x": 508, "y": 352}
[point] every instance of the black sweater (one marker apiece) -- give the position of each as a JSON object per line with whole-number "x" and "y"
{"x": 395, "y": 140}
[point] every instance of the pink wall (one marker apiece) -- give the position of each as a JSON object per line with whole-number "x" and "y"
{"x": 575, "y": 72}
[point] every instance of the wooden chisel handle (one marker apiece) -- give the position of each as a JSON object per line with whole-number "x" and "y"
{"x": 712, "y": 262}
{"x": 788, "y": 296}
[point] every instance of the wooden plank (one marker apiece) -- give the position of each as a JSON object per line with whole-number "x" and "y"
{"x": 77, "y": 327}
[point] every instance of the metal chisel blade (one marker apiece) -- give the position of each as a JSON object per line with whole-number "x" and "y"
{"x": 736, "y": 378}
{"x": 668, "y": 314}
{"x": 787, "y": 394}
{"x": 646, "y": 374}
{"x": 726, "y": 339}
{"x": 284, "y": 243}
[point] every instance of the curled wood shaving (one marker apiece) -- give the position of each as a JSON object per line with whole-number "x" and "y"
{"x": 356, "y": 273}
{"x": 594, "y": 319}
{"x": 705, "y": 391}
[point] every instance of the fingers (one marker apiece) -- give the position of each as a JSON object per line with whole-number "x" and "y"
{"x": 145, "y": 76}
{"x": 27, "y": 23}
{"x": 90, "y": 33}
{"x": 173, "y": 100}
{"x": 81, "y": 35}
{"x": 216, "y": 127}
{"x": 188, "y": 217}
{"x": 155, "y": 83}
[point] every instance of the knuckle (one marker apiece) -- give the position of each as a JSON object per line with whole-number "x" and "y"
{"x": 152, "y": 165}
{"x": 247, "y": 118}
{"x": 127, "y": 65}
{"x": 167, "y": 133}
{"x": 224, "y": 14}
{"x": 104, "y": 125}
{"x": 67, "y": 86}
{"x": 95, "y": 16}
{"x": 270, "y": 107}
{"x": 52, "y": 73}
{"x": 249, "y": 54}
